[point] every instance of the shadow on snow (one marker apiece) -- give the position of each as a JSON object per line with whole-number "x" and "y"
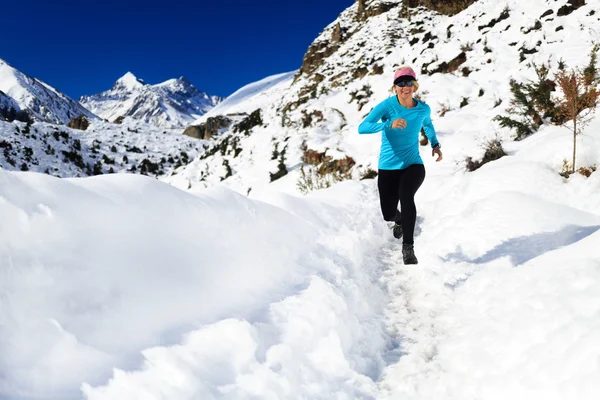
{"x": 524, "y": 248}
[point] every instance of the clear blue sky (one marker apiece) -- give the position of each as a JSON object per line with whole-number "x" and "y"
{"x": 82, "y": 47}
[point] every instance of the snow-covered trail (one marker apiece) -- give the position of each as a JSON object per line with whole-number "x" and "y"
{"x": 502, "y": 303}
{"x": 417, "y": 297}
{"x": 416, "y": 320}
{"x": 307, "y": 298}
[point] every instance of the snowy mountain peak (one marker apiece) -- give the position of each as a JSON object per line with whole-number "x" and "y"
{"x": 41, "y": 101}
{"x": 129, "y": 82}
{"x": 181, "y": 82}
{"x": 172, "y": 103}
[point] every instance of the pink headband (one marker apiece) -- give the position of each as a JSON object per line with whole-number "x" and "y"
{"x": 405, "y": 72}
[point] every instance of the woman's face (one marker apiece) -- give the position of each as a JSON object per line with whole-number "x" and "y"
{"x": 405, "y": 92}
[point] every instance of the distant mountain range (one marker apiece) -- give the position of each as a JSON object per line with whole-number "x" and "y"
{"x": 171, "y": 104}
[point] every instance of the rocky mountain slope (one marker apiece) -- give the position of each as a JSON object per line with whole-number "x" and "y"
{"x": 8, "y": 107}
{"x": 42, "y": 102}
{"x": 465, "y": 54}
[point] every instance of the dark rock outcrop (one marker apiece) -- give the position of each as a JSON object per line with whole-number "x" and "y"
{"x": 208, "y": 129}
{"x": 316, "y": 53}
{"x": 252, "y": 120}
{"x": 80, "y": 122}
{"x": 362, "y": 6}
{"x": 447, "y": 7}
{"x": 336, "y": 35}
{"x": 379, "y": 8}
{"x": 326, "y": 164}
{"x": 571, "y": 6}
{"x": 447, "y": 67}
{"x": 365, "y": 11}
{"x": 322, "y": 49}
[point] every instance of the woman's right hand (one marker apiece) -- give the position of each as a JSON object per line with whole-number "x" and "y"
{"x": 399, "y": 123}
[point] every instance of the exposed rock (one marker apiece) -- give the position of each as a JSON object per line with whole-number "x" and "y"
{"x": 505, "y": 14}
{"x": 360, "y": 72}
{"x": 318, "y": 78}
{"x": 570, "y": 7}
{"x": 326, "y": 165}
{"x": 195, "y": 131}
{"x": 312, "y": 157}
{"x": 307, "y": 118}
{"x": 214, "y": 124}
{"x": 320, "y": 50}
{"x": 379, "y": 8}
{"x": 208, "y": 129}
{"x": 341, "y": 166}
{"x": 119, "y": 120}
{"x": 79, "y": 122}
{"x": 368, "y": 174}
{"x": 576, "y": 3}
{"x": 252, "y": 120}
{"x": 363, "y": 11}
{"x": 336, "y": 35}
{"x": 447, "y": 67}
{"x": 294, "y": 105}
{"x": 316, "y": 53}
{"x": 447, "y": 7}
{"x": 362, "y": 6}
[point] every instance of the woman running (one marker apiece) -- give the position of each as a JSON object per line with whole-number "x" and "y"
{"x": 401, "y": 170}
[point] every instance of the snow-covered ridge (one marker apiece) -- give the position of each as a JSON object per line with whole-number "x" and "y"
{"x": 464, "y": 63}
{"x": 131, "y": 147}
{"x": 173, "y": 103}
{"x": 42, "y": 101}
{"x": 251, "y": 96}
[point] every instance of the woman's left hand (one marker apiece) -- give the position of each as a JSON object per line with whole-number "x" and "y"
{"x": 438, "y": 151}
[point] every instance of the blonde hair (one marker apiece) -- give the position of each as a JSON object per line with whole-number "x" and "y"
{"x": 415, "y": 83}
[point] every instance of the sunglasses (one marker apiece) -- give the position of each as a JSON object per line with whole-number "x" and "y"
{"x": 404, "y": 84}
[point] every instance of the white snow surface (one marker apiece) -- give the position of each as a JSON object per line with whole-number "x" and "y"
{"x": 252, "y": 96}
{"x": 200, "y": 285}
{"x": 129, "y": 81}
{"x": 123, "y": 287}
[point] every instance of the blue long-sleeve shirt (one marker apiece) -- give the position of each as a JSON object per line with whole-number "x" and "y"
{"x": 399, "y": 147}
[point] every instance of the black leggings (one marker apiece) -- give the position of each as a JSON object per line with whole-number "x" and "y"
{"x": 401, "y": 185}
